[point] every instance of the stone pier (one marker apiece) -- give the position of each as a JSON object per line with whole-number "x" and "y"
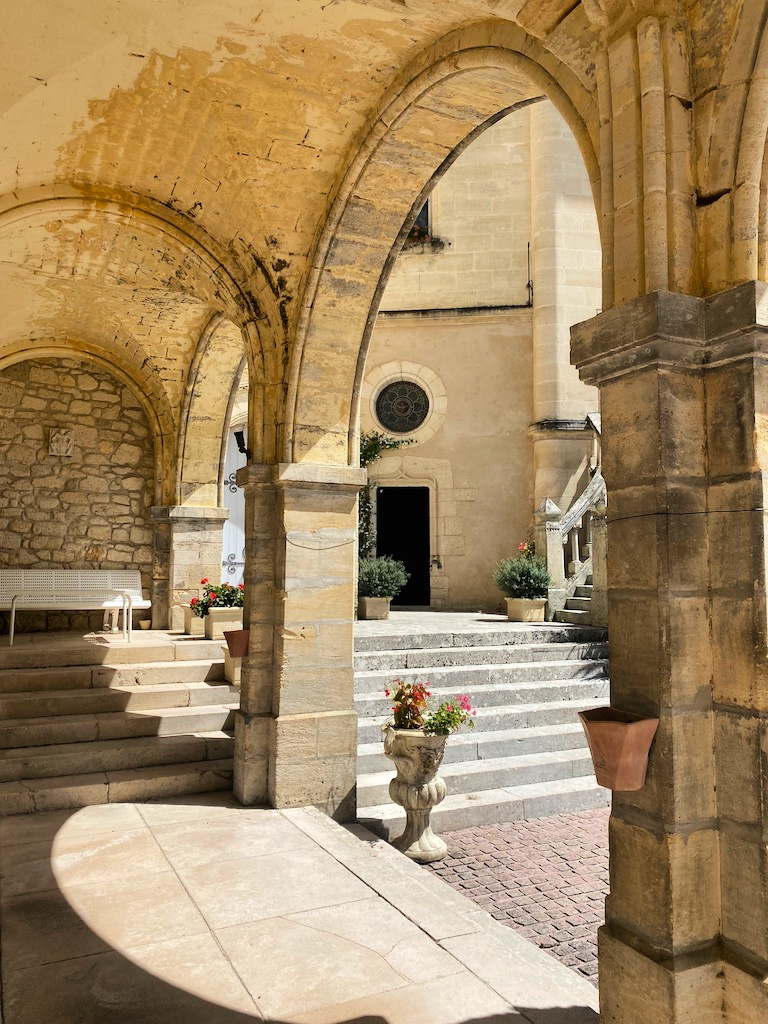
{"x": 296, "y": 731}
{"x": 685, "y": 449}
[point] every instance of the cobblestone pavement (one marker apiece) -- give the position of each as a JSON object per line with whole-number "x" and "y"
{"x": 546, "y": 878}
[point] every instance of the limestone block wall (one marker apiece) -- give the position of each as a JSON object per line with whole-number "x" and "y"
{"x": 479, "y": 462}
{"x": 86, "y": 510}
{"x": 481, "y": 211}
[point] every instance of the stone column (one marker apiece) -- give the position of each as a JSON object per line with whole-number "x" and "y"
{"x": 296, "y": 730}
{"x": 188, "y": 548}
{"x": 684, "y": 403}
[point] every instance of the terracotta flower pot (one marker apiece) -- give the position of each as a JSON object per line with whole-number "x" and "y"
{"x": 237, "y": 641}
{"x": 418, "y": 788}
{"x": 619, "y": 744}
{"x": 526, "y": 609}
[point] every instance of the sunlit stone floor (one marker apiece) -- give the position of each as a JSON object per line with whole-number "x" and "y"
{"x": 199, "y": 911}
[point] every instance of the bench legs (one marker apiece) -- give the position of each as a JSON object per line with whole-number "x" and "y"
{"x": 13, "y": 622}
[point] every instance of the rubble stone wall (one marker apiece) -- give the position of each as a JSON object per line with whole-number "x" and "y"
{"x": 87, "y": 510}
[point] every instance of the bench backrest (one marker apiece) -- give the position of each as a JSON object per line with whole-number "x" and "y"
{"x": 84, "y": 582}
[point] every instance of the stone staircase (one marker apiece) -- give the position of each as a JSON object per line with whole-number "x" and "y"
{"x": 82, "y": 725}
{"x": 577, "y": 608}
{"x": 527, "y": 756}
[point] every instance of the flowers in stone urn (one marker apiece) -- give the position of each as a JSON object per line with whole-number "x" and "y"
{"x": 415, "y": 738}
{"x": 223, "y": 595}
{"x": 410, "y": 710}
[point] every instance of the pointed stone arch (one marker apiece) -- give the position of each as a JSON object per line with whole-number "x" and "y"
{"x": 451, "y": 93}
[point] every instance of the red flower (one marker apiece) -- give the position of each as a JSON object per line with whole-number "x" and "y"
{"x": 193, "y": 602}
{"x": 204, "y": 581}
{"x": 240, "y": 586}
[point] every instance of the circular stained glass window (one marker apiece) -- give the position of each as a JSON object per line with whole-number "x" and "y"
{"x": 402, "y": 406}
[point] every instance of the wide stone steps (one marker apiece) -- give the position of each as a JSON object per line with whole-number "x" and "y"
{"x": 113, "y": 786}
{"x": 400, "y": 661}
{"x": 490, "y": 807}
{"x": 495, "y": 773}
{"x": 509, "y": 634}
{"x": 82, "y": 677}
{"x": 476, "y": 745}
{"x": 500, "y": 718}
{"x": 64, "y": 759}
{"x": 82, "y": 724}
{"x": 163, "y": 721}
{"x": 497, "y": 694}
{"x": 527, "y": 755}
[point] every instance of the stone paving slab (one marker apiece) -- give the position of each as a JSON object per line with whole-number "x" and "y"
{"x": 546, "y": 879}
{"x": 197, "y": 910}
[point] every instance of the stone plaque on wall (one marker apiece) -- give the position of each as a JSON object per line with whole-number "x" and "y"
{"x": 61, "y": 442}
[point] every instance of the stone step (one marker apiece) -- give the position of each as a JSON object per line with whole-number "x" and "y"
{"x": 59, "y": 729}
{"x": 475, "y": 745}
{"x": 571, "y": 615}
{"x": 467, "y": 777}
{"x": 84, "y": 676}
{"x": 514, "y": 633}
{"x": 584, "y": 591}
{"x": 496, "y": 695}
{"x": 114, "y": 698}
{"x": 23, "y": 763}
{"x": 463, "y": 678}
{"x": 149, "y": 783}
{"x": 46, "y": 652}
{"x": 579, "y": 604}
{"x": 514, "y": 803}
{"x": 497, "y": 719}
{"x": 397, "y": 661}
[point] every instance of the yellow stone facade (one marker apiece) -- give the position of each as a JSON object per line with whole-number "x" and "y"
{"x": 184, "y": 187}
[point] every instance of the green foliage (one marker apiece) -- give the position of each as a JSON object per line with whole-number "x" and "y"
{"x": 380, "y": 577}
{"x": 410, "y": 710}
{"x": 373, "y": 443}
{"x": 222, "y": 596}
{"x": 523, "y": 576}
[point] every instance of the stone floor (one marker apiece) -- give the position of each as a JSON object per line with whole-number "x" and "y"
{"x": 196, "y": 910}
{"x": 547, "y": 879}
{"x": 414, "y": 622}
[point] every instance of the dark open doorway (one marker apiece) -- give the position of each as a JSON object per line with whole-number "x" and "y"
{"x": 402, "y": 531}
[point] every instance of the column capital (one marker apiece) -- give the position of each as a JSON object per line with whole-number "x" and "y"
{"x": 307, "y": 475}
{"x": 673, "y": 329}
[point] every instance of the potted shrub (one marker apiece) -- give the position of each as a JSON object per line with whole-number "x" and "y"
{"x": 415, "y": 739}
{"x": 524, "y": 580}
{"x": 378, "y": 581}
{"x": 221, "y": 606}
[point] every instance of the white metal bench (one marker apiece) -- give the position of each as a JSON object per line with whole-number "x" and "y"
{"x": 73, "y": 590}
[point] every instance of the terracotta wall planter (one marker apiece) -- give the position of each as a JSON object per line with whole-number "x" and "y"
{"x": 237, "y": 641}
{"x": 619, "y": 744}
{"x": 526, "y": 609}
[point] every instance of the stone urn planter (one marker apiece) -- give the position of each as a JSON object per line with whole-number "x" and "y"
{"x": 526, "y": 609}
{"x": 373, "y": 607}
{"x": 619, "y": 743}
{"x": 417, "y": 788}
{"x": 193, "y": 624}
{"x": 220, "y": 619}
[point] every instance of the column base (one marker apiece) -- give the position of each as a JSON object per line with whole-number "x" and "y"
{"x": 635, "y": 989}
